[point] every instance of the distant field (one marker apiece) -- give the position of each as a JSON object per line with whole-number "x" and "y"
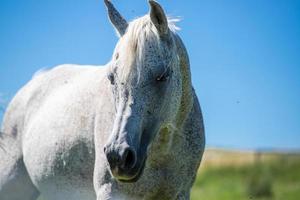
{"x": 227, "y": 175}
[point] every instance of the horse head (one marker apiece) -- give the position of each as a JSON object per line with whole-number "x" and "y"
{"x": 147, "y": 83}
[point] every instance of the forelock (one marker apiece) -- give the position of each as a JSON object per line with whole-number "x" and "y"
{"x": 140, "y": 32}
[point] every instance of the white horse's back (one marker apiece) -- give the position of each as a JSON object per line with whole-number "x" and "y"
{"x": 37, "y": 121}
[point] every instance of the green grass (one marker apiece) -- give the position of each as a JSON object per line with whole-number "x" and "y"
{"x": 281, "y": 176}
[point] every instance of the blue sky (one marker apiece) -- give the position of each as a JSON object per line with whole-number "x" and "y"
{"x": 245, "y": 58}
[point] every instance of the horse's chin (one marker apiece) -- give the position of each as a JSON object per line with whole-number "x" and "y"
{"x": 137, "y": 173}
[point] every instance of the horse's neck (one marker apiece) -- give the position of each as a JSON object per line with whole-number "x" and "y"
{"x": 187, "y": 91}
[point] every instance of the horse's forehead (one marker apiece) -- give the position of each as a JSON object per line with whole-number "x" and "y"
{"x": 132, "y": 46}
{"x": 133, "y": 54}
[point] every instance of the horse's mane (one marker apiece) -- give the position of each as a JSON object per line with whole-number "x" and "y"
{"x": 139, "y": 32}
{"x": 144, "y": 24}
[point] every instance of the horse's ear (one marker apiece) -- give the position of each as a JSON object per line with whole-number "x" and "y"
{"x": 116, "y": 18}
{"x": 158, "y": 17}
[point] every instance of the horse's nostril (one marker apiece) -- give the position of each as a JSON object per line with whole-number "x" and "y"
{"x": 128, "y": 158}
{"x": 124, "y": 160}
{"x": 113, "y": 158}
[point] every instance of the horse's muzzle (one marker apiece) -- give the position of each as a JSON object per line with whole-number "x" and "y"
{"x": 124, "y": 163}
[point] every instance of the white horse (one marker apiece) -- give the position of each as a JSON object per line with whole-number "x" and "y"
{"x": 130, "y": 130}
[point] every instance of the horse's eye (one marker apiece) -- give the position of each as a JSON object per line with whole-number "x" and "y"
{"x": 162, "y": 78}
{"x": 111, "y": 78}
